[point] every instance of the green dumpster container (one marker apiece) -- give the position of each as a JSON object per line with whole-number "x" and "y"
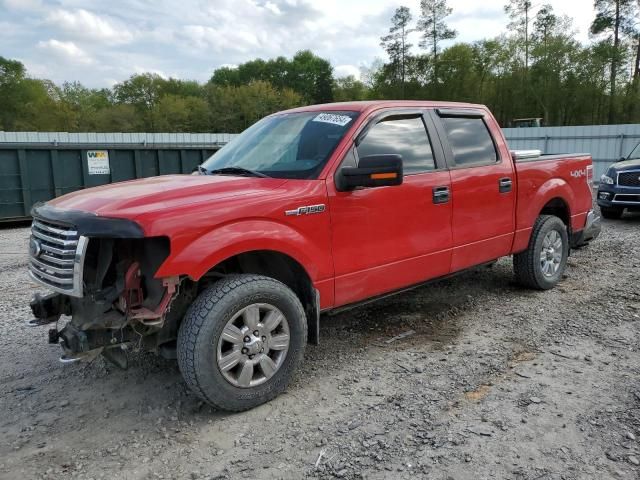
{"x": 36, "y": 167}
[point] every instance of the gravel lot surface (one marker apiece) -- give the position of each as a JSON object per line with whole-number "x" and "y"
{"x": 487, "y": 381}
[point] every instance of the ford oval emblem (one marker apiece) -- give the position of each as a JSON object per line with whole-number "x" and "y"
{"x": 35, "y": 248}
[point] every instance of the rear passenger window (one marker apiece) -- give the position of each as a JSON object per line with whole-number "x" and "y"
{"x": 470, "y": 141}
{"x": 405, "y": 136}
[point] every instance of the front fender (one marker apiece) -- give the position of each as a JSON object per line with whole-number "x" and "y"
{"x": 195, "y": 258}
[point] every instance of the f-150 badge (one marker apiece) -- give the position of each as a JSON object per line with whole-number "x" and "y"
{"x": 306, "y": 210}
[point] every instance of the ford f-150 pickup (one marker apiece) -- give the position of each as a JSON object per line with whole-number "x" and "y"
{"x": 307, "y": 211}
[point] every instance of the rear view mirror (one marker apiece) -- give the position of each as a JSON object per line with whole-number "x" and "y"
{"x": 372, "y": 171}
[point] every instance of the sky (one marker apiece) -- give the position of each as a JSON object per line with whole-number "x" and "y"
{"x": 102, "y": 42}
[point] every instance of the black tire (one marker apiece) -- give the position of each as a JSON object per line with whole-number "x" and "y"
{"x": 527, "y": 265}
{"x": 611, "y": 213}
{"x": 202, "y": 327}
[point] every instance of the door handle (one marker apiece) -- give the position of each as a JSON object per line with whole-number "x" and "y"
{"x": 441, "y": 195}
{"x": 505, "y": 184}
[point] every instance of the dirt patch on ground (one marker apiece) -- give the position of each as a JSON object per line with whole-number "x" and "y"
{"x": 494, "y": 382}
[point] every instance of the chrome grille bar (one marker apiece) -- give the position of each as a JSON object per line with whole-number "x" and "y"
{"x": 58, "y": 251}
{"x": 58, "y": 241}
{"x": 57, "y": 257}
{"x": 54, "y": 279}
{"x": 55, "y": 230}
{"x": 56, "y": 260}
{"x": 51, "y": 269}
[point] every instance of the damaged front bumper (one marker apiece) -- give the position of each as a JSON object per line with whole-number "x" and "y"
{"x": 80, "y": 343}
{"x": 103, "y": 273}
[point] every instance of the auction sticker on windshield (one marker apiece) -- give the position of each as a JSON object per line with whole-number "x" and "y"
{"x": 341, "y": 120}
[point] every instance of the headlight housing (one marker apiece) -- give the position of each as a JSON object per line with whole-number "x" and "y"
{"x": 606, "y": 180}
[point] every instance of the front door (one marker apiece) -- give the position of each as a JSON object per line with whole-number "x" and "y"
{"x": 387, "y": 238}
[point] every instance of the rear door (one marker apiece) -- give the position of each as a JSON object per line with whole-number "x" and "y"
{"x": 483, "y": 187}
{"x": 386, "y": 238}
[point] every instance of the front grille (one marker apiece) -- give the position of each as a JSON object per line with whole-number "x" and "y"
{"x": 56, "y": 256}
{"x": 629, "y": 179}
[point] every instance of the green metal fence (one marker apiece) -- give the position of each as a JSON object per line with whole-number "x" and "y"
{"x": 32, "y": 172}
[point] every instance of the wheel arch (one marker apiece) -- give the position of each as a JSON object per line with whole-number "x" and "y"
{"x": 558, "y": 207}
{"x": 279, "y": 266}
{"x": 554, "y": 197}
{"x": 260, "y": 246}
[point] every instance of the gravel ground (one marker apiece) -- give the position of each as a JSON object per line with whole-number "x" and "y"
{"x": 494, "y": 382}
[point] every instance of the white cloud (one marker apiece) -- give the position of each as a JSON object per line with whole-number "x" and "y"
{"x": 346, "y": 70}
{"x": 191, "y": 38}
{"x": 272, "y": 7}
{"x": 220, "y": 38}
{"x": 37, "y": 69}
{"x": 86, "y": 25}
{"x": 24, "y": 5}
{"x": 67, "y": 51}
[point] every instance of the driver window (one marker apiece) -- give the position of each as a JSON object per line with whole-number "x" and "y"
{"x": 402, "y": 135}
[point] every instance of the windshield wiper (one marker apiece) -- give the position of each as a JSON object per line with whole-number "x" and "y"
{"x": 245, "y": 172}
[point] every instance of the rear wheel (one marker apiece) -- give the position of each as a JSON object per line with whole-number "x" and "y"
{"x": 541, "y": 266}
{"x": 241, "y": 341}
{"x": 611, "y": 213}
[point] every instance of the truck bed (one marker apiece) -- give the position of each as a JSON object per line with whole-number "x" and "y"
{"x": 537, "y": 176}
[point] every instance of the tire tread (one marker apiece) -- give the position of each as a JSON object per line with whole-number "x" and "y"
{"x": 197, "y": 316}
{"x": 524, "y": 263}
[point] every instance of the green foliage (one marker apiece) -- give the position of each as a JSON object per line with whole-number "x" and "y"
{"x": 615, "y": 20}
{"x": 237, "y": 107}
{"x": 349, "y": 89}
{"x": 12, "y": 74}
{"x": 432, "y": 26}
{"x": 612, "y": 15}
{"x": 308, "y": 75}
{"x": 396, "y": 45}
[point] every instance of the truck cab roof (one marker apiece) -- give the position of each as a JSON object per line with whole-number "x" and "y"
{"x": 369, "y": 105}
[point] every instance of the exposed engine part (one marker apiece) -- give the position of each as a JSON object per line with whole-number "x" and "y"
{"x": 48, "y": 309}
{"x": 54, "y": 336}
{"x": 131, "y": 302}
{"x": 82, "y": 357}
{"x": 123, "y": 302}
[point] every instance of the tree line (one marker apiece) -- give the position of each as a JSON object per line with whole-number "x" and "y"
{"x": 537, "y": 69}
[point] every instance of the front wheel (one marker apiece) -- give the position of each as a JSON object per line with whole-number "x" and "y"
{"x": 542, "y": 264}
{"x": 241, "y": 341}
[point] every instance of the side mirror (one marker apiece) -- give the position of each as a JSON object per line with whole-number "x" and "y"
{"x": 621, "y": 159}
{"x": 372, "y": 171}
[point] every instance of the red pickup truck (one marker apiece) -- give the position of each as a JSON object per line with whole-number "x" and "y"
{"x": 309, "y": 210}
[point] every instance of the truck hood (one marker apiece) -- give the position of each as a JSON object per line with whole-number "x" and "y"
{"x": 132, "y": 198}
{"x": 626, "y": 165}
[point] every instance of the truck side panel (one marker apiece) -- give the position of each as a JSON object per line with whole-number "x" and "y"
{"x": 546, "y": 180}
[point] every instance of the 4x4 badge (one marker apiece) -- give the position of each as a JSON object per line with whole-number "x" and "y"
{"x": 307, "y": 210}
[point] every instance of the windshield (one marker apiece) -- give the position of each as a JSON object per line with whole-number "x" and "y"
{"x": 290, "y": 145}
